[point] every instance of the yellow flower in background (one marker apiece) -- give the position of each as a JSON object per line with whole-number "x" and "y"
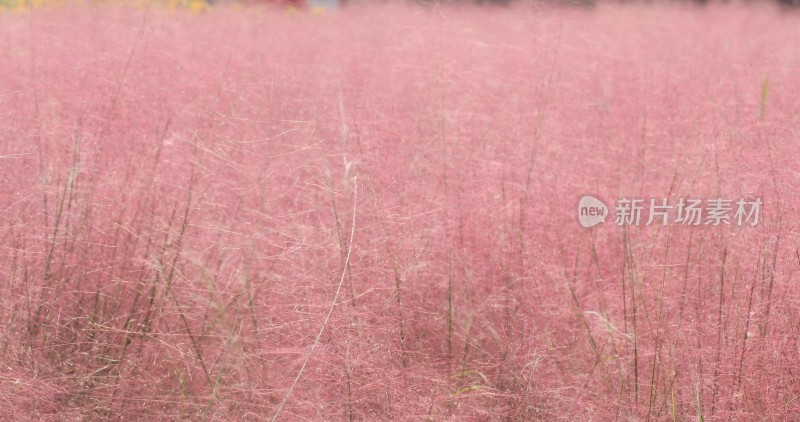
{"x": 192, "y": 5}
{"x": 198, "y": 6}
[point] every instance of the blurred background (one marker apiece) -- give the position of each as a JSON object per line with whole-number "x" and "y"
{"x": 327, "y": 6}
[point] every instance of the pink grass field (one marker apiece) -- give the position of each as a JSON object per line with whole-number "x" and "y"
{"x": 178, "y": 192}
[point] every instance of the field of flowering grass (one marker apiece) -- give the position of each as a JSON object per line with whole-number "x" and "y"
{"x": 247, "y": 214}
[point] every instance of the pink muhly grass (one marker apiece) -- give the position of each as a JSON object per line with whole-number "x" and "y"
{"x": 177, "y": 211}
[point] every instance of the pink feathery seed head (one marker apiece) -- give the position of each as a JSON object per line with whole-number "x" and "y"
{"x": 248, "y": 213}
